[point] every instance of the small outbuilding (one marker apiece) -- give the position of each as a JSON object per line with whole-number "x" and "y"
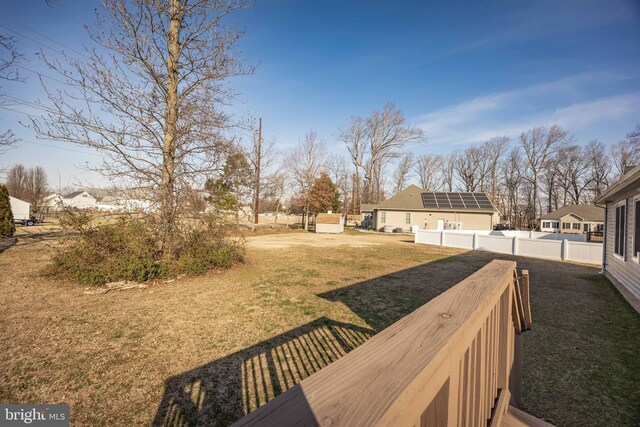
{"x": 329, "y": 223}
{"x": 20, "y": 209}
{"x": 621, "y": 260}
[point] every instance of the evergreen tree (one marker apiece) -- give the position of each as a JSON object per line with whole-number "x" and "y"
{"x": 7, "y": 227}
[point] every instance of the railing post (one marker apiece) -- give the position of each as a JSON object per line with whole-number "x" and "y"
{"x": 565, "y": 249}
{"x": 514, "y": 248}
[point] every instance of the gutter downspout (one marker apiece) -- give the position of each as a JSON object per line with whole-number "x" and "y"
{"x": 604, "y": 239}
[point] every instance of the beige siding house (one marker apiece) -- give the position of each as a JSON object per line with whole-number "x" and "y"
{"x": 573, "y": 219}
{"x": 621, "y": 262}
{"x": 416, "y": 208}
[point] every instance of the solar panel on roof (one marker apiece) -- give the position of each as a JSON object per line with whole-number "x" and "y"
{"x": 456, "y": 200}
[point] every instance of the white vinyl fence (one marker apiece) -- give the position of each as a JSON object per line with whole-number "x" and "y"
{"x": 541, "y": 245}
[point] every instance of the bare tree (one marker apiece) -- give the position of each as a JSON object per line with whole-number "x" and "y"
{"x": 626, "y": 153}
{"x": 471, "y": 169}
{"x": 29, "y": 185}
{"x": 262, "y": 157}
{"x": 402, "y": 172}
{"x": 600, "y": 167}
{"x": 354, "y": 136}
{"x": 449, "y": 171}
{"x": 539, "y": 144}
{"x": 387, "y": 133}
{"x": 430, "y": 171}
{"x": 512, "y": 171}
{"x": 305, "y": 163}
{"x": 493, "y": 150}
{"x": 152, "y": 104}
{"x": 338, "y": 169}
{"x": 9, "y": 57}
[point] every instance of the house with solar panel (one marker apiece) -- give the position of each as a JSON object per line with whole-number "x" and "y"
{"x": 413, "y": 208}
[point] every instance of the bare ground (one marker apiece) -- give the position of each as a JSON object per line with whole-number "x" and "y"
{"x": 206, "y": 350}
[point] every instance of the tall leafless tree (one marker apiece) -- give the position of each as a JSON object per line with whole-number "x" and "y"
{"x": 152, "y": 102}
{"x": 600, "y": 167}
{"x": 387, "y": 133}
{"x": 402, "y": 172}
{"x": 539, "y": 144}
{"x": 626, "y": 153}
{"x": 29, "y": 185}
{"x": 354, "y": 136}
{"x": 304, "y": 164}
{"x": 429, "y": 168}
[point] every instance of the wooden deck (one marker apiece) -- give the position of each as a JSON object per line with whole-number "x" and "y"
{"x": 455, "y": 361}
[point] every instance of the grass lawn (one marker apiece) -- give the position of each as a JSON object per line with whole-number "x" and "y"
{"x": 206, "y": 350}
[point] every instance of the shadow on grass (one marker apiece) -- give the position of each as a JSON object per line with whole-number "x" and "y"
{"x": 223, "y": 391}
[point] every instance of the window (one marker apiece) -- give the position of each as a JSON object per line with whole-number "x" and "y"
{"x": 636, "y": 228}
{"x": 546, "y": 225}
{"x": 566, "y": 226}
{"x": 576, "y": 225}
{"x": 618, "y": 241}
{"x": 383, "y": 217}
{"x": 586, "y": 227}
{"x": 407, "y": 218}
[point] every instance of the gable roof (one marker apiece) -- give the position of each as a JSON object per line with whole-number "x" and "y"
{"x": 416, "y": 199}
{"x": 628, "y": 182}
{"x": 75, "y": 194}
{"x": 582, "y": 212}
{"x": 409, "y": 198}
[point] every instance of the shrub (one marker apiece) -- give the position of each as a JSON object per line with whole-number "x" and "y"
{"x": 127, "y": 250}
{"x": 7, "y": 227}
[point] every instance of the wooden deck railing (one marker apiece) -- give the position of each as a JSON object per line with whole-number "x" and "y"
{"x": 449, "y": 363}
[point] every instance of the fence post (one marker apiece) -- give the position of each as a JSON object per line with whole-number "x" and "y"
{"x": 442, "y": 238}
{"x": 531, "y": 234}
{"x": 514, "y": 246}
{"x": 475, "y": 241}
{"x": 565, "y": 249}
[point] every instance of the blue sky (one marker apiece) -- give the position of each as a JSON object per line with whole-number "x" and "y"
{"x": 464, "y": 71}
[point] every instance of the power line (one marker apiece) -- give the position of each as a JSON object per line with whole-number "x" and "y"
{"x": 34, "y": 40}
{"x": 43, "y": 36}
{"x": 62, "y": 148}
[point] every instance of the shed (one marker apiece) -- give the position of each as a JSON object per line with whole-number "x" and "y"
{"x": 329, "y": 223}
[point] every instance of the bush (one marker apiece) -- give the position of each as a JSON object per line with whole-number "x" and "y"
{"x": 128, "y": 250}
{"x": 7, "y": 227}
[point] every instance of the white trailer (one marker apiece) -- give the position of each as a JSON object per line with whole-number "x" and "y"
{"x": 21, "y": 211}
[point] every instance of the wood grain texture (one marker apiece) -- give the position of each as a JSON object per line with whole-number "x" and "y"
{"x": 441, "y": 365}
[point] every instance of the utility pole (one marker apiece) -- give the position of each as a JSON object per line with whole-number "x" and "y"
{"x": 256, "y": 202}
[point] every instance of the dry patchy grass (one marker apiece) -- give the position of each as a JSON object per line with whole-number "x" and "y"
{"x": 206, "y": 350}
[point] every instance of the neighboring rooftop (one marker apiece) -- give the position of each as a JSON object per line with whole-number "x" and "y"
{"x": 74, "y": 194}
{"x": 415, "y": 198}
{"x": 583, "y": 212}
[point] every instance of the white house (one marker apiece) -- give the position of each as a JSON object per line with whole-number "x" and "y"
{"x": 573, "y": 219}
{"x": 79, "y": 200}
{"x": 53, "y": 202}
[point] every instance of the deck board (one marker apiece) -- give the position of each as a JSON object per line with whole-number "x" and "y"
{"x": 517, "y": 418}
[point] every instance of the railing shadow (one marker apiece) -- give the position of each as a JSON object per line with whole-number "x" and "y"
{"x": 223, "y": 391}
